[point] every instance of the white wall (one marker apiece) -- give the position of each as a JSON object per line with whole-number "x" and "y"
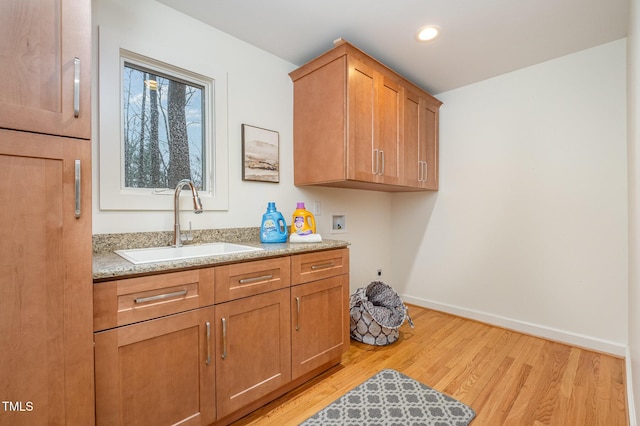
{"x": 633, "y": 82}
{"x": 260, "y": 93}
{"x": 529, "y": 227}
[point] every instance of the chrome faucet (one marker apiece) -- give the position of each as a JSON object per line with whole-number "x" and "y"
{"x": 178, "y": 237}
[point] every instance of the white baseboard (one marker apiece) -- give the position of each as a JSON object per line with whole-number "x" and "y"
{"x": 573, "y": 339}
{"x": 630, "y": 399}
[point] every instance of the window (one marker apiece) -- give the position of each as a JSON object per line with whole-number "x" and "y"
{"x": 163, "y": 135}
{"x": 159, "y": 123}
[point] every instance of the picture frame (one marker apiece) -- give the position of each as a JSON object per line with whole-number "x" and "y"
{"x": 260, "y": 154}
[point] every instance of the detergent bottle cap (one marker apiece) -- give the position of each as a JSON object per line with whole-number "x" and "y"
{"x": 300, "y": 206}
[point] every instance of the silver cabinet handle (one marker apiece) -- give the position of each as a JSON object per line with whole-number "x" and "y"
{"x": 422, "y": 171}
{"x": 256, "y": 279}
{"x": 78, "y": 188}
{"x": 208, "y": 325}
{"x": 322, "y": 266}
{"x": 160, "y": 296}
{"x": 298, "y": 313}
{"x": 374, "y": 161}
{"x": 382, "y": 161}
{"x": 426, "y": 171}
{"x": 224, "y": 338}
{"x": 76, "y": 87}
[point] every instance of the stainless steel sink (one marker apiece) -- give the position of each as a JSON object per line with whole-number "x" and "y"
{"x": 163, "y": 254}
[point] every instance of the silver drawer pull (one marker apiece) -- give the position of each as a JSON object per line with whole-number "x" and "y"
{"x": 298, "y": 313}
{"x": 76, "y": 87}
{"x": 160, "y": 296}
{"x": 256, "y": 279}
{"x": 322, "y": 266}
{"x": 375, "y": 162}
{"x": 78, "y": 188}
{"x": 224, "y": 338}
{"x": 208, "y": 325}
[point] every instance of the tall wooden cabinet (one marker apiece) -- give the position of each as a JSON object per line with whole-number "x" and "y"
{"x": 358, "y": 124}
{"x": 46, "y": 339}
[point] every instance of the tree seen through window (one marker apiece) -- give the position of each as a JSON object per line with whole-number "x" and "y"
{"x": 163, "y": 121}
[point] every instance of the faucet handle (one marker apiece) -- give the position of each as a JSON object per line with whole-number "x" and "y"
{"x": 187, "y": 237}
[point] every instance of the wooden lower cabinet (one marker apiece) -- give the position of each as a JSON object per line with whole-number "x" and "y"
{"x": 320, "y": 323}
{"x": 253, "y": 347}
{"x": 157, "y": 372}
{"x": 46, "y": 353}
{"x": 212, "y": 364}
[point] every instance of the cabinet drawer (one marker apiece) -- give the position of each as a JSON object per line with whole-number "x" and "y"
{"x": 317, "y": 265}
{"x": 122, "y": 302}
{"x": 250, "y": 278}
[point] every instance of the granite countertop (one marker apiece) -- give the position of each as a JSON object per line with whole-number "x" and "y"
{"x": 107, "y": 265}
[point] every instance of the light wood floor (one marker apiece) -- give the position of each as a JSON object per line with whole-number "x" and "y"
{"x": 506, "y": 377}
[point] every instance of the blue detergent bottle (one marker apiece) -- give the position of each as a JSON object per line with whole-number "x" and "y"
{"x": 273, "y": 228}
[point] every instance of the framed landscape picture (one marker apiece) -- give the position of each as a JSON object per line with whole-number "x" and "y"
{"x": 260, "y": 154}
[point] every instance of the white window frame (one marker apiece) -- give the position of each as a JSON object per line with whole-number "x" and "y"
{"x": 114, "y": 50}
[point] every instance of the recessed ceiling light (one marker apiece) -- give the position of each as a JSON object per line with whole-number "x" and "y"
{"x": 427, "y": 33}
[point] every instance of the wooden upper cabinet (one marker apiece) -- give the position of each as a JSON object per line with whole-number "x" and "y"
{"x": 420, "y": 141}
{"x": 354, "y": 125}
{"x": 361, "y": 109}
{"x": 388, "y": 124}
{"x": 45, "y": 66}
{"x": 428, "y": 148}
{"x": 374, "y": 125}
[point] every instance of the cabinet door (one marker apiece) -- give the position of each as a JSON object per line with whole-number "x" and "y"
{"x": 157, "y": 372}
{"x": 319, "y": 125}
{"x": 420, "y": 142}
{"x": 253, "y": 349}
{"x": 413, "y": 167}
{"x": 388, "y": 119}
{"x": 374, "y": 105}
{"x": 363, "y": 161}
{"x": 320, "y": 323}
{"x": 428, "y": 149}
{"x": 45, "y": 67}
{"x": 46, "y": 367}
